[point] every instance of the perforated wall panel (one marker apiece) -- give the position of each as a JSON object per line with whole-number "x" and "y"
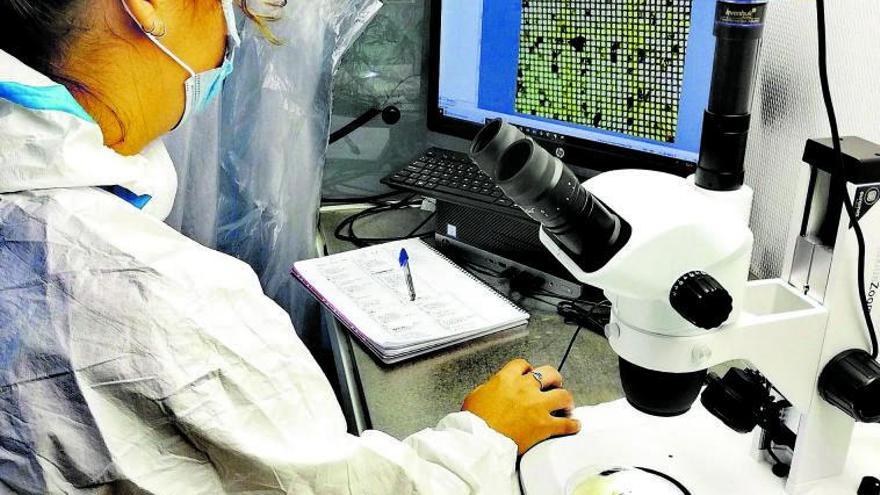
{"x": 788, "y": 110}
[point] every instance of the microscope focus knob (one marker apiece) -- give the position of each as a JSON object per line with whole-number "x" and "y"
{"x": 701, "y": 300}
{"x": 870, "y": 486}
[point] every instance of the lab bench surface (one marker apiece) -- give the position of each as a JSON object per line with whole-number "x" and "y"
{"x": 404, "y": 398}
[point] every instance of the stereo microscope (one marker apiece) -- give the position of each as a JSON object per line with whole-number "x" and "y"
{"x": 673, "y": 254}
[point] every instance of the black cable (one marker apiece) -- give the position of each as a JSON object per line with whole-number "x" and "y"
{"x": 351, "y": 236}
{"x": 348, "y": 223}
{"x": 362, "y": 199}
{"x": 369, "y": 241}
{"x": 838, "y": 176}
{"x": 568, "y": 349}
{"x": 581, "y": 321}
{"x": 580, "y": 312}
{"x": 573, "y": 311}
{"x": 576, "y": 312}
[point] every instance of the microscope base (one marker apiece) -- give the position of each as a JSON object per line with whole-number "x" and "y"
{"x": 695, "y": 449}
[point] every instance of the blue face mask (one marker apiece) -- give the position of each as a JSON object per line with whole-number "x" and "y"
{"x": 201, "y": 88}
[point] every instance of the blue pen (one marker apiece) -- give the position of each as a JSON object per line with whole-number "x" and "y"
{"x": 404, "y": 263}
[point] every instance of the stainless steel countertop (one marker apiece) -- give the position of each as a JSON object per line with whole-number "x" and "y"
{"x": 405, "y": 398}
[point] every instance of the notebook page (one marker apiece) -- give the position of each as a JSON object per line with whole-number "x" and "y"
{"x": 368, "y": 287}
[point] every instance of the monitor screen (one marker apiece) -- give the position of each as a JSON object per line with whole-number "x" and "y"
{"x": 633, "y": 74}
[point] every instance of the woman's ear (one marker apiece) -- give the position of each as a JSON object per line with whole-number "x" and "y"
{"x": 146, "y": 14}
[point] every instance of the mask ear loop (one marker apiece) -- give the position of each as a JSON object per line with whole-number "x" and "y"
{"x": 231, "y": 27}
{"x": 155, "y": 39}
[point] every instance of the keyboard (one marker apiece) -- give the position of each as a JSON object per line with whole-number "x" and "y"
{"x": 451, "y": 176}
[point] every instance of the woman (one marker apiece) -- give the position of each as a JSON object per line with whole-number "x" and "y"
{"x": 134, "y": 360}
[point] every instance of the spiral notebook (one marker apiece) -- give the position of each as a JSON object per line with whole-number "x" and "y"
{"x": 366, "y": 289}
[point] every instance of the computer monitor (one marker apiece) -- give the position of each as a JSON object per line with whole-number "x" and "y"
{"x": 603, "y": 84}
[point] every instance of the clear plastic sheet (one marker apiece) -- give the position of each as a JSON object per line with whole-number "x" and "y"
{"x": 386, "y": 65}
{"x": 250, "y": 167}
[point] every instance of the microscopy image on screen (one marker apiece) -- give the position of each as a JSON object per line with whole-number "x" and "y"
{"x": 616, "y": 65}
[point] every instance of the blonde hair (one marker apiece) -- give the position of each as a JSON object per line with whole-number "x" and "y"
{"x": 262, "y": 20}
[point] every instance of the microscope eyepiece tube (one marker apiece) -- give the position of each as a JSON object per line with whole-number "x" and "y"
{"x": 550, "y": 193}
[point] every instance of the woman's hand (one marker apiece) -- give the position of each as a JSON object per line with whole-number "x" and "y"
{"x": 515, "y": 404}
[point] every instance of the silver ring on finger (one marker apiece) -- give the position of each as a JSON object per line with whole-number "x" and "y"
{"x": 539, "y": 377}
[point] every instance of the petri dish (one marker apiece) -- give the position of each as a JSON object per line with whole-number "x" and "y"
{"x": 619, "y": 480}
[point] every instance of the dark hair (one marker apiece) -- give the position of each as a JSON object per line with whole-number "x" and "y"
{"x": 38, "y": 32}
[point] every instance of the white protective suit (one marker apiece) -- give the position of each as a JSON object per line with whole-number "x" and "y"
{"x": 134, "y": 360}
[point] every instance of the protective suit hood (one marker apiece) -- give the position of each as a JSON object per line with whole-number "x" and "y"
{"x": 49, "y": 142}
